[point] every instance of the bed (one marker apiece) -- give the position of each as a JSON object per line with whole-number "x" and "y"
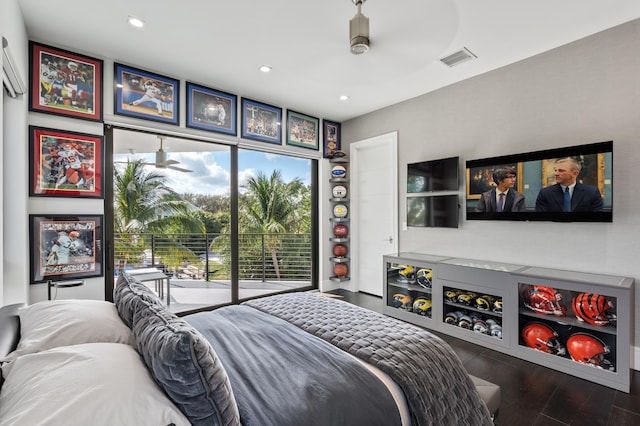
{"x": 293, "y": 359}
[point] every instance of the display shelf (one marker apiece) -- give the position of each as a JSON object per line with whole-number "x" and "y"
{"x": 569, "y": 311}
{"x": 339, "y": 259}
{"x": 340, "y": 206}
{"x": 339, "y": 219}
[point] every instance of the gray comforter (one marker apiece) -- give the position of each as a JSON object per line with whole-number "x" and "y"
{"x": 284, "y": 376}
{"x": 437, "y": 388}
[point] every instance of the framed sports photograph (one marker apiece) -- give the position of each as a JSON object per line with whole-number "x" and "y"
{"x": 65, "y": 164}
{"x": 65, "y": 247}
{"x": 331, "y": 137}
{"x": 212, "y": 110}
{"x": 146, "y": 95}
{"x": 302, "y": 130}
{"x": 261, "y": 122}
{"x": 64, "y": 83}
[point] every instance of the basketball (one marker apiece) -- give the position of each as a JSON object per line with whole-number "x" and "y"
{"x": 340, "y": 270}
{"x": 340, "y": 230}
{"x": 339, "y": 250}
{"x": 340, "y": 210}
{"x": 339, "y": 191}
{"x": 338, "y": 171}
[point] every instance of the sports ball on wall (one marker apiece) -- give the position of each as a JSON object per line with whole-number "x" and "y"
{"x": 340, "y": 230}
{"x": 340, "y": 210}
{"x": 340, "y": 270}
{"x": 339, "y": 250}
{"x": 338, "y": 171}
{"x": 339, "y": 191}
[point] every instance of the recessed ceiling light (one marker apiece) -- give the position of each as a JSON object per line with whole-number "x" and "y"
{"x": 265, "y": 68}
{"x": 344, "y": 97}
{"x": 136, "y": 22}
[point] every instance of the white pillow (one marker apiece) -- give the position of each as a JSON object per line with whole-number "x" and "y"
{"x": 90, "y": 384}
{"x": 49, "y": 324}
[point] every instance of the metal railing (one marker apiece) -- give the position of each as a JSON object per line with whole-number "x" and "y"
{"x": 282, "y": 257}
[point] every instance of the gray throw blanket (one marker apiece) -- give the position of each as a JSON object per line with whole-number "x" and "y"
{"x": 437, "y": 388}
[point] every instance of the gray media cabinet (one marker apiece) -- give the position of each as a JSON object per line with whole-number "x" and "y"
{"x": 490, "y": 304}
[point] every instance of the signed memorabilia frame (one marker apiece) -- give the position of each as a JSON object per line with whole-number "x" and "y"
{"x": 65, "y": 164}
{"x": 211, "y": 110}
{"x": 64, "y": 83}
{"x": 146, "y": 95}
{"x": 302, "y": 130}
{"x": 331, "y": 134}
{"x": 65, "y": 247}
{"x": 261, "y": 122}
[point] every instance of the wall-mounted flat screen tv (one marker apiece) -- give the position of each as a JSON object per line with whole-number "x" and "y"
{"x": 536, "y": 184}
{"x": 433, "y": 211}
{"x": 434, "y": 175}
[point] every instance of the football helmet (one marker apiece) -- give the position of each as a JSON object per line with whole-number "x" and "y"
{"x": 543, "y": 300}
{"x": 592, "y": 308}
{"x": 72, "y": 66}
{"x": 424, "y": 277}
{"x": 588, "y": 349}
{"x": 422, "y": 306}
{"x": 480, "y": 326}
{"x": 465, "y": 322}
{"x": 540, "y": 336}
{"x": 465, "y": 299}
{"x": 497, "y": 305}
{"x": 452, "y": 295}
{"x": 453, "y": 317}
{"x": 484, "y": 302}
{"x": 74, "y": 234}
{"x": 402, "y": 301}
{"x": 408, "y": 274}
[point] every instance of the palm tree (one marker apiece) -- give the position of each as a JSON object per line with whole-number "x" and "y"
{"x": 272, "y": 207}
{"x": 144, "y": 204}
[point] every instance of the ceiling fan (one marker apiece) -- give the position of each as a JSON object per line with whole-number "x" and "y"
{"x": 162, "y": 162}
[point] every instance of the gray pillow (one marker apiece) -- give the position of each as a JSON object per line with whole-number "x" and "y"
{"x": 130, "y": 296}
{"x": 185, "y": 366}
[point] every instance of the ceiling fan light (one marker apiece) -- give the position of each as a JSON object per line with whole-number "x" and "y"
{"x": 359, "y": 32}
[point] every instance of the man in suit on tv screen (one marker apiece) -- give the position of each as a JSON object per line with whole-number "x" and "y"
{"x": 568, "y": 195}
{"x": 502, "y": 198}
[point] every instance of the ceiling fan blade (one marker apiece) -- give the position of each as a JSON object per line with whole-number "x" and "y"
{"x": 180, "y": 169}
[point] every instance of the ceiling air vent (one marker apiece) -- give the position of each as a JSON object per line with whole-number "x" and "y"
{"x": 458, "y": 57}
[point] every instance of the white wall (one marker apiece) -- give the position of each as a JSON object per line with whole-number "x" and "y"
{"x": 14, "y": 179}
{"x": 584, "y": 92}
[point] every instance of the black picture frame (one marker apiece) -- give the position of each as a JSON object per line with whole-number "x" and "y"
{"x": 146, "y": 95}
{"x": 212, "y": 110}
{"x": 65, "y": 247}
{"x": 261, "y": 122}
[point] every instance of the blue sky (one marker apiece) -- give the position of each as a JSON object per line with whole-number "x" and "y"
{"x": 211, "y": 169}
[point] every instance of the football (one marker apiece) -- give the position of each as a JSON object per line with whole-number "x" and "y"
{"x": 338, "y": 171}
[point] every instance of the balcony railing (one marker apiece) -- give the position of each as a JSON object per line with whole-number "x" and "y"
{"x": 262, "y": 257}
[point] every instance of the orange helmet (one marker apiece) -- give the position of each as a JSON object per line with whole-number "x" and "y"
{"x": 592, "y": 308}
{"x": 587, "y": 349}
{"x": 543, "y": 300}
{"x": 540, "y": 336}
{"x": 74, "y": 234}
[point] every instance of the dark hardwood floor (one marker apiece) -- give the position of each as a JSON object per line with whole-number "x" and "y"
{"x": 532, "y": 394}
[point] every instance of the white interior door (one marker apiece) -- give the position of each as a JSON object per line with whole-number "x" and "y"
{"x": 374, "y": 203}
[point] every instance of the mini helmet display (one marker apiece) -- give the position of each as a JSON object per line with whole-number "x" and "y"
{"x": 540, "y": 336}
{"x": 424, "y": 277}
{"x": 588, "y": 349}
{"x": 592, "y": 308}
{"x": 402, "y": 301}
{"x": 339, "y": 191}
{"x": 338, "y": 171}
{"x": 452, "y": 295}
{"x": 466, "y": 322}
{"x": 422, "y": 306}
{"x": 407, "y": 275}
{"x": 495, "y": 328}
{"x": 543, "y": 300}
{"x": 465, "y": 299}
{"x": 497, "y": 305}
{"x": 340, "y": 210}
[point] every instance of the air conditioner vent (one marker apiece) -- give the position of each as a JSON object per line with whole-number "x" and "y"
{"x": 458, "y": 57}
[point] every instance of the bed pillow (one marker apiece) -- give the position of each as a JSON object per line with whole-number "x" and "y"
{"x": 186, "y": 367}
{"x": 98, "y": 384}
{"x": 128, "y": 295}
{"x": 49, "y": 324}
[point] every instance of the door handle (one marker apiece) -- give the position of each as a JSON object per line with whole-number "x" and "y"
{"x": 390, "y": 239}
